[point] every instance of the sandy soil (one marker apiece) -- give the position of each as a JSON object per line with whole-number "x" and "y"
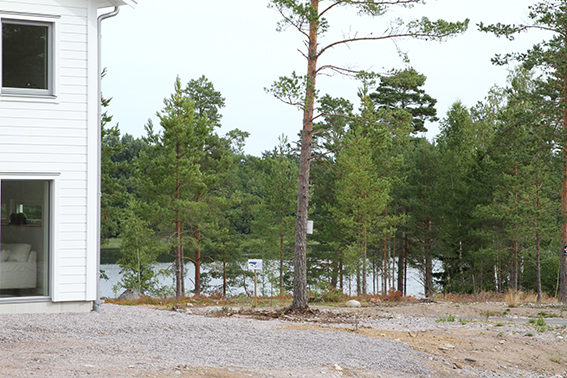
{"x": 489, "y": 335}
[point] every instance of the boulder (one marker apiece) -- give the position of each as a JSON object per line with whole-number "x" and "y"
{"x": 352, "y": 303}
{"x": 130, "y": 295}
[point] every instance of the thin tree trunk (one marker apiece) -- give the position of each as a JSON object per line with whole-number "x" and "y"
{"x": 224, "y": 285}
{"x": 538, "y": 263}
{"x": 514, "y": 267}
{"x": 178, "y": 228}
{"x": 281, "y": 256}
{"x": 406, "y": 253}
{"x": 385, "y": 262}
{"x": 364, "y": 256}
{"x": 428, "y": 263}
{"x": 394, "y": 255}
{"x": 182, "y": 267}
{"x": 300, "y": 300}
{"x": 198, "y": 263}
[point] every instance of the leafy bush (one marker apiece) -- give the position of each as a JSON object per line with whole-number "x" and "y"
{"x": 332, "y": 295}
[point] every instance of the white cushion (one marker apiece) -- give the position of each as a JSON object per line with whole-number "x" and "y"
{"x": 18, "y": 252}
{"x": 4, "y": 254}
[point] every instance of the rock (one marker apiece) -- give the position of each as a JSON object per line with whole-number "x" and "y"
{"x": 446, "y": 347}
{"x": 470, "y": 359}
{"x": 130, "y": 295}
{"x": 338, "y": 368}
{"x": 352, "y": 303}
{"x": 457, "y": 366}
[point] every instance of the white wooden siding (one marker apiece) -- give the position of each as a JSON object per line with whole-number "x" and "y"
{"x": 39, "y": 135}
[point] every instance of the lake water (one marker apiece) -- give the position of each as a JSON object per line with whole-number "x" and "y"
{"x": 414, "y": 285}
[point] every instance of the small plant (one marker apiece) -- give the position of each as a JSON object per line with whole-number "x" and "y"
{"x": 544, "y": 314}
{"x": 540, "y": 325}
{"x": 488, "y": 313}
{"x": 499, "y": 324}
{"x": 529, "y": 334}
{"x": 500, "y": 334}
{"x": 464, "y": 321}
{"x": 449, "y": 318}
{"x": 555, "y": 359}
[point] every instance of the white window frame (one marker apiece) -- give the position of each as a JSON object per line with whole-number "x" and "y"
{"x": 52, "y": 268}
{"x": 52, "y": 22}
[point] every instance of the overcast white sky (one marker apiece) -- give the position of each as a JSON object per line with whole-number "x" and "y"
{"x": 236, "y": 46}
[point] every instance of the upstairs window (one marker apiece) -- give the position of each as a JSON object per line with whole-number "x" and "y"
{"x": 27, "y": 57}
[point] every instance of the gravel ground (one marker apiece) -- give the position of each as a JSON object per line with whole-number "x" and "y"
{"x": 121, "y": 341}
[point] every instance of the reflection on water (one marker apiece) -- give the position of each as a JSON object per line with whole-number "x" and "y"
{"x": 414, "y": 287}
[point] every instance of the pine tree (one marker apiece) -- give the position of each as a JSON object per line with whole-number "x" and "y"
{"x": 401, "y": 89}
{"x": 551, "y": 95}
{"x": 309, "y": 18}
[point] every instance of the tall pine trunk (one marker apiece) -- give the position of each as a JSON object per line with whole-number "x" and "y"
{"x": 563, "y": 258}
{"x": 300, "y": 300}
{"x": 538, "y": 237}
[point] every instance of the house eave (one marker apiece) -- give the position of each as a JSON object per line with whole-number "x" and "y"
{"x": 117, "y": 3}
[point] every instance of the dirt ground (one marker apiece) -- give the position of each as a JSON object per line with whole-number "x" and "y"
{"x": 483, "y": 336}
{"x": 480, "y": 336}
{"x": 489, "y": 335}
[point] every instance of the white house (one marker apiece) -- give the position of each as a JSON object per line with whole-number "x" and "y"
{"x": 49, "y": 153}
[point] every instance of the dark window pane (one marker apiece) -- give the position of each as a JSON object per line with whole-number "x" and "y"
{"x": 24, "y": 238}
{"x": 25, "y": 56}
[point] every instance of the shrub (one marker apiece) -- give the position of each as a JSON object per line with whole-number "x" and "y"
{"x": 332, "y": 295}
{"x": 512, "y": 297}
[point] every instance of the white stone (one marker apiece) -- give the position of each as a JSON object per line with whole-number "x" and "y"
{"x": 352, "y": 303}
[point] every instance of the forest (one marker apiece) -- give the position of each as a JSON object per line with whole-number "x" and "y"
{"x": 481, "y": 207}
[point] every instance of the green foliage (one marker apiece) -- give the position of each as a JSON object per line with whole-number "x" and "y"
{"x": 113, "y": 193}
{"x": 545, "y": 98}
{"x": 138, "y": 254}
{"x": 448, "y": 318}
{"x": 401, "y": 89}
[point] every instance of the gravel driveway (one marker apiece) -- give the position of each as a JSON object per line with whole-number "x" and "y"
{"x": 121, "y": 341}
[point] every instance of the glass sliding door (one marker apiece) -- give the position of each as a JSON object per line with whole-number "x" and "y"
{"x": 24, "y": 238}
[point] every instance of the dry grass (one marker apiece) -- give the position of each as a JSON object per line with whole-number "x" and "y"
{"x": 513, "y": 298}
{"x": 392, "y": 295}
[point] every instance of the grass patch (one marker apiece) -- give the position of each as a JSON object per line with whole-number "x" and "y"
{"x": 540, "y": 325}
{"x": 544, "y": 314}
{"x": 555, "y": 358}
{"x": 449, "y": 318}
{"x": 488, "y": 313}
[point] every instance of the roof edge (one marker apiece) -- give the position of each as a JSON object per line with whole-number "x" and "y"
{"x": 117, "y": 3}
